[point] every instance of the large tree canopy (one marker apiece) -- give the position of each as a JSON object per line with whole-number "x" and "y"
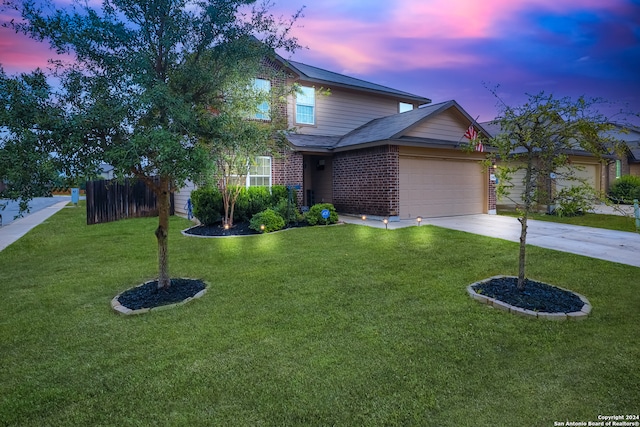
{"x": 145, "y": 77}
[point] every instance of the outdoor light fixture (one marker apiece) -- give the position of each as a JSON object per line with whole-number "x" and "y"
{"x": 261, "y": 227}
{"x": 419, "y": 219}
{"x": 226, "y": 225}
{"x": 364, "y": 217}
{"x": 386, "y": 223}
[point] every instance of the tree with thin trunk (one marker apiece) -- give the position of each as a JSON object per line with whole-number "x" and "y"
{"x": 145, "y": 75}
{"x": 535, "y": 143}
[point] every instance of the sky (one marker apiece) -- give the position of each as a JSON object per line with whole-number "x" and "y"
{"x": 458, "y": 49}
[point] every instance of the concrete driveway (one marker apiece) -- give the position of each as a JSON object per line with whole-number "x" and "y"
{"x": 616, "y": 246}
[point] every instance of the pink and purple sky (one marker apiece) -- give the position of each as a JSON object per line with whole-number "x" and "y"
{"x": 451, "y": 49}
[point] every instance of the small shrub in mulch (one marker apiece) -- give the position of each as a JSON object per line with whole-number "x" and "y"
{"x": 536, "y": 296}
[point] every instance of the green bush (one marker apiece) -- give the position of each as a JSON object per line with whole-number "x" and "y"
{"x": 289, "y": 211}
{"x": 271, "y": 220}
{"x": 574, "y": 201}
{"x": 278, "y": 192}
{"x": 625, "y": 189}
{"x": 207, "y": 205}
{"x": 314, "y": 216}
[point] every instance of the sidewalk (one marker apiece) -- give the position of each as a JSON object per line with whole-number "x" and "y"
{"x": 18, "y": 228}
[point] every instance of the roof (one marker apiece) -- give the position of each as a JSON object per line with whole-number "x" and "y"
{"x": 381, "y": 130}
{"x": 319, "y": 75}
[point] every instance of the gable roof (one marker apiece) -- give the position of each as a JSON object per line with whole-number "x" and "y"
{"x": 382, "y": 130}
{"x": 319, "y": 75}
{"x": 392, "y": 127}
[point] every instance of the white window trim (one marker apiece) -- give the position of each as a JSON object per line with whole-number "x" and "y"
{"x": 257, "y": 86}
{"x": 248, "y": 180}
{"x": 312, "y": 105}
{"x": 406, "y": 104}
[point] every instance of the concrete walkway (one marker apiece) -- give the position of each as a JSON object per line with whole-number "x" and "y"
{"x": 18, "y": 228}
{"x": 616, "y": 246}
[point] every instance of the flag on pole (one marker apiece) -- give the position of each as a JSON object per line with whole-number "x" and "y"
{"x": 472, "y": 135}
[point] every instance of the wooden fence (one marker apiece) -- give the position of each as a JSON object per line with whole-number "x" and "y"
{"x": 110, "y": 200}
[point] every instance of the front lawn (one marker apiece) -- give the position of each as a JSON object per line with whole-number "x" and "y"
{"x": 609, "y": 222}
{"x": 340, "y": 325}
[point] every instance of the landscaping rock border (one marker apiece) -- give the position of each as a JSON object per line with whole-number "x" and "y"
{"x": 501, "y": 305}
{"x": 120, "y": 309}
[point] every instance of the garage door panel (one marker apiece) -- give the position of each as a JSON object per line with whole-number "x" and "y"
{"x": 431, "y": 187}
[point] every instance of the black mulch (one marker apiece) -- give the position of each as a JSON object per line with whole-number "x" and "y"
{"x": 536, "y": 296}
{"x": 238, "y": 229}
{"x": 149, "y": 296}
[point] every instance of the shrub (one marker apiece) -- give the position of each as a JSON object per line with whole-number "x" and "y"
{"x": 573, "y": 201}
{"x": 314, "y": 216}
{"x": 278, "y": 192}
{"x": 271, "y": 220}
{"x": 288, "y": 210}
{"x": 625, "y": 189}
{"x": 207, "y": 205}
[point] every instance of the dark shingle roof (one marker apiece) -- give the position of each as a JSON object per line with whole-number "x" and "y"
{"x": 379, "y": 130}
{"x": 320, "y": 75}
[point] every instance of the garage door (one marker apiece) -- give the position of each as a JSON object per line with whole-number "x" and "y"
{"x": 432, "y": 187}
{"x": 586, "y": 172}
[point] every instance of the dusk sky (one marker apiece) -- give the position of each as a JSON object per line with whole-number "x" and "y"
{"x": 451, "y": 49}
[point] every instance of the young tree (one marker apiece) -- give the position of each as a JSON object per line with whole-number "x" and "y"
{"x": 145, "y": 74}
{"x": 535, "y": 141}
{"x": 248, "y": 125}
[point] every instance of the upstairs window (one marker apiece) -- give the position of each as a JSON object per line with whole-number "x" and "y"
{"x": 306, "y": 106}
{"x": 403, "y": 106}
{"x": 263, "y": 87}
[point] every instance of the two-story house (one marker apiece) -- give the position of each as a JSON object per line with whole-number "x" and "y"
{"x": 373, "y": 150}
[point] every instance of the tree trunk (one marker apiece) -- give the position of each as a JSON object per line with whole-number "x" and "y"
{"x": 523, "y": 252}
{"x": 162, "y": 233}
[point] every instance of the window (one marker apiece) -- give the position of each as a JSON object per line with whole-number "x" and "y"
{"x": 618, "y": 169}
{"x": 306, "y": 106}
{"x": 263, "y": 87}
{"x": 260, "y": 173}
{"x": 403, "y": 106}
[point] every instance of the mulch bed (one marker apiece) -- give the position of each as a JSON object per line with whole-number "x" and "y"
{"x": 149, "y": 296}
{"x": 537, "y": 296}
{"x": 238, "y": 229}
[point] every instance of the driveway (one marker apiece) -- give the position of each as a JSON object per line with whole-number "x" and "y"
{"x": 609, "y": 245}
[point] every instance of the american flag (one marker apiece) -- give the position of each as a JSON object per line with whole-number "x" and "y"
{"x": 472, "y": 135}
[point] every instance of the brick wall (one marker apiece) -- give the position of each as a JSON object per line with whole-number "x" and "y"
{"x": 492, "y": 198}
{"x": 366, "y": 181}
{"x": 287, "y": 169}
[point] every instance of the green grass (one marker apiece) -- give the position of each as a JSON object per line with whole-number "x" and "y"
{"x": 609, "y": 222}
{"x": 342, "y": 325}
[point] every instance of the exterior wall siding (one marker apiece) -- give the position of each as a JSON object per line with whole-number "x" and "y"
{"x": 447, "y": 126}
{"x": 342, "y": 111}
{"x": 367, "y": 181}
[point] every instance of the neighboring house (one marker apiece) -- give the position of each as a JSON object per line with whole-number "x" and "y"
{"x": 600, "y": 174}
{"x": 106, "y": 171}
{"x": 373, "y": 150}
{"x": 629, "y": 162}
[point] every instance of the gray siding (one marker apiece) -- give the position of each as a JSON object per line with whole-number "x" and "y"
{"x": 343, "y": 111}
{"x": 448, "y": 126}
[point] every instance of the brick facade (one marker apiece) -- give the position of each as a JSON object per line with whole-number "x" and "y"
{"x": 367, "y": 181}
{"x": 287, "y": 168}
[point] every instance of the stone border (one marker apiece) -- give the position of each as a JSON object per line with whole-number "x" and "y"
{"x": 121, "y": 309}
{"x": 500, "y": 305}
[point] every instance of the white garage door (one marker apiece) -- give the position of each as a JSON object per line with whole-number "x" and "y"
{"x": 432, "y": 188}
